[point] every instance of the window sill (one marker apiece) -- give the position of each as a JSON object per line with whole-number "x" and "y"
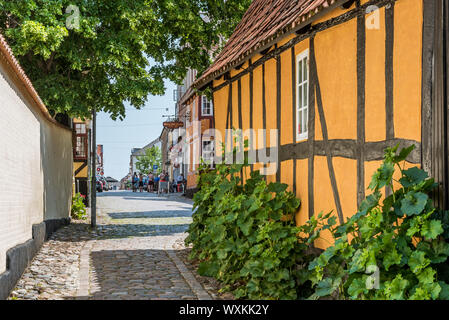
{"x": 302, "y": 138}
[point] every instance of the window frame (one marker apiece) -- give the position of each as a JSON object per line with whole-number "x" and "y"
{"x": 82, "y": 136}
{"x": 203, "y": 143}
{"x": 211, "y": 107}
{"x": 303, "y": 107}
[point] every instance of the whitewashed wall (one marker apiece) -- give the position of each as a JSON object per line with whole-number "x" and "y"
{"x": 35, "y": 166}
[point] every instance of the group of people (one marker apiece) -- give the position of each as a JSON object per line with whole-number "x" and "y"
{"x": 151, "y": 182}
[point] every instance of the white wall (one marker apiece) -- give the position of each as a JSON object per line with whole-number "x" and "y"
{"x": 31, "y": 149}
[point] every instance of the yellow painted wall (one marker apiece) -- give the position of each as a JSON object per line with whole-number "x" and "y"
{"x": 286, "y": 98}
{"x": 408, "y": 17}
{"x": 375, "y": 81}
{"x": 337, "y": 73}
{"x": 220, "y": 111}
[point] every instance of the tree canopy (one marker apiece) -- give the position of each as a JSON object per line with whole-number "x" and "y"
{"x": 118, "y": 51}
{"x": 146, "y": 162}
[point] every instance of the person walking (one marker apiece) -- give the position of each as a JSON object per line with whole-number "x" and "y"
{"x": 156, "y": 183}
{"x": 135, "y": 181}
{"x": 140, "y": 182}
{"x": 150, "y": 182}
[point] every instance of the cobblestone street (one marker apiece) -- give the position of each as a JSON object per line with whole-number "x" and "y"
{"x": 130, "y": 256}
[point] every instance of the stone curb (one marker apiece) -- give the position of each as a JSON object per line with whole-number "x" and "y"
{"x": 196, "y": 287}
{"x": 84, "y": 271}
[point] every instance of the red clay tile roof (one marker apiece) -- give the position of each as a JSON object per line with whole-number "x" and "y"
{"x": 264, "y": 21}
{"x": 6, "y": 51}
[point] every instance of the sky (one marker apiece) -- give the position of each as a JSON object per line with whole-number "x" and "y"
{"x": 139, "y": 128}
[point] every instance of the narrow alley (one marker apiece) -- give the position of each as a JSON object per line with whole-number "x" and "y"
{"x": 129, "y": 256}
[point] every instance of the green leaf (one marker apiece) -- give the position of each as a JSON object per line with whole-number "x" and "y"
{"x": 327, "y": 286}
{"x": 359, "y": 261}
{"x": 431, "y": 229}
{"x": 413, "y": 176}
{"x": 395, "y": 289}
{"x": 392, "y": 257}
{"x": 444, "y": 293}
{"x": 404, "y": 153}
{"x": 246, "y": 226}
{"x": 418, "y": 261}
{"x": 383, "y": 176}
{"x": 277, "y": 187}
{"x": 208, "y": 269}
{"x": 426, "y": 276}
{"x": 358, "y": 287}
{"x": 414, "y": 203}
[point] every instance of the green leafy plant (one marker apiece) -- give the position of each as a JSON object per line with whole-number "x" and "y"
{"x": 245, "y": 235}
{"x": 78, "y": 211}
{"x": 391, "y": 249}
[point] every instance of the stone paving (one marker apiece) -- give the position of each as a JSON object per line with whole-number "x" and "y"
{"x": 130, "y": 256}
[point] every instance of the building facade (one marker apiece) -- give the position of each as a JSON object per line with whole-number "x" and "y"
{"x": 338, "y": 82}
{"x": 190, "y": 143}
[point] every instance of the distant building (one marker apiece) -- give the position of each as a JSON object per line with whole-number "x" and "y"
{"x": 113, "y": 183}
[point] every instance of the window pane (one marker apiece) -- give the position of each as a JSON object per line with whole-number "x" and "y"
{"x": 306, "y": 119}
{"x": 300, "y": 97}
{"x": 300, "y": 72}
{"x": 304, "y": 95}
{"x": 305, "y": 69}
{"x": 300, "y": 124}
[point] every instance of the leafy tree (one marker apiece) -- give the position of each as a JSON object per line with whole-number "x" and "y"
{"x": 121, "y": 51}
{"x": 146, "y": 162}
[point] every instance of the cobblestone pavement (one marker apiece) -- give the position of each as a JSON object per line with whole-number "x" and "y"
{"x": 131, "y": 254}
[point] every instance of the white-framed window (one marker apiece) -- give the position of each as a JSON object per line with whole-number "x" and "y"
{"x": 208, "y": 151}
{"x": 206, "y": 106}
{"x": 302, "y": 95}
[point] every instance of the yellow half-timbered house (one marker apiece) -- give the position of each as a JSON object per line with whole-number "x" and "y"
{"x": 340, "y": 81}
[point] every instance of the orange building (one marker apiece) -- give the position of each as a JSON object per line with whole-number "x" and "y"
{"x": 193, "y": 143}
{"x": 340, "y": 81}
